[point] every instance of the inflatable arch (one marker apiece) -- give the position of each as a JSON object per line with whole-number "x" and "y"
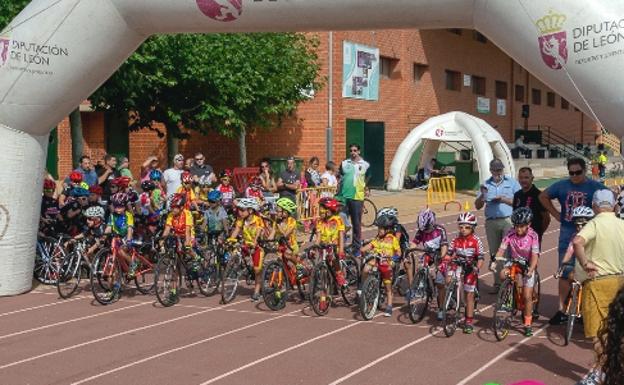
{"x": 451, "y": 127}
{"x": 56, "y": 53}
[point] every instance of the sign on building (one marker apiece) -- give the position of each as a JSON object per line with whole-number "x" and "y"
{"x": 483, "y": 105}
{"x": 501, "y": 107}
{"x": 360, "y": 71}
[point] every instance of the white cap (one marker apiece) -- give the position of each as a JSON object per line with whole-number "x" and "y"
{"x": 603, "y": 198}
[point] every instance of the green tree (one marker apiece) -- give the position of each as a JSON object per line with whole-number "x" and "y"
{"x": 227, "y": 83}
{"x": 9, "y": 9}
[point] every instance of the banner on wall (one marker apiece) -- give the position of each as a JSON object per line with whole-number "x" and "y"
{"x": 483, "y": 105}
{"x": 360, "y": 71}
{"x": 501, "y": 107}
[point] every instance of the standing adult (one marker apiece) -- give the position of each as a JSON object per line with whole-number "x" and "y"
{"x": 106, "y": 175}
{"x": 266, "y": 176}
{"x": 528, "y": 196}
{"x": 599, "y": 249}
{"x": 602, "y": 164}
{"x": 200, "y": 169}
{"x": 353, "y": 190}
{"x": 312, "y": 174}
{"x": 497, "y": 194}
{"x": 124, "y": 167}
{"x": 573, "y": 192}
{"x": 173, "y": 176}
{"x": 289, "y": 180}
{"x": 85, "y": 167}
{"x": 151, "y": 163}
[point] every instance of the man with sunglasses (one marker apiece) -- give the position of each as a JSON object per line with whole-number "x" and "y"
{"x": 200, "y": 168}
{"x": 573, "y": 192}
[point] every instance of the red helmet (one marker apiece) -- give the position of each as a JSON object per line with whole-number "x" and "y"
{"x": 330, "y": 204}
{"x": 187, "y": 177}
{"x": 75, "y": 177}
{"x": 227, "y": 173}
{"x": 255, "y": 181}
{"x": 121, "y": 182}
{"x": 49, "y": 184}
{"x": 178, "y": 200}
{"x": 96, "y": 189}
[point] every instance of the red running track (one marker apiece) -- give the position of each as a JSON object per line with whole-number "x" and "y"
{"x": 47, "y": 340}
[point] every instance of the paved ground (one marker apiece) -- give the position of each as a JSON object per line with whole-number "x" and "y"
{"x": 47, "y": 340}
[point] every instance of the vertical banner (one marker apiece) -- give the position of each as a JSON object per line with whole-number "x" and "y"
{"x": 501, "y": 107}
{"x": 360, "y": 71}
{"x": 483, "y": 105}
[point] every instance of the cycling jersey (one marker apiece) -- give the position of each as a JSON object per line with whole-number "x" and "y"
{"x": 49, "y": 207}
{"x": 432, "y": 240}
{"x": 388, "y": 246}
{"x": 227, "y": 195}
{"x": 189, "y": 194}
{"x": 254, "y": 193}
{"x": 250, "y": 227}
{"x": 288, "y": 226}
{"x": 329, "y": 230}
{"x": 214, "y": 218}
{"x": 469, "y": 247}
{"x": 180, "y": 222}
{"x": 120, "y": 223}
{"x": 520, "y": 247}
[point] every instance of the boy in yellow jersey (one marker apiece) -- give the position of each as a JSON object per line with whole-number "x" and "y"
{"x": 286, "y": 227}
{"x": 250, "y": 226}
{"x": 330, "y": 230}
{"x": 386, "y": 245}
{"x": 202, "y": 190}
{"x": 187, "y": 190}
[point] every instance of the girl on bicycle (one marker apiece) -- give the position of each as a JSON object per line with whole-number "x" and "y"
{"x": 285, "y": 227}
{"x": 330, "y": 230}
{"x": 469, "y": 247}
{"x": 250, "y": 226}
{"x": 386, "y": 245}
{"x": 121, "y": 223}
{"x": 522, "y": 242}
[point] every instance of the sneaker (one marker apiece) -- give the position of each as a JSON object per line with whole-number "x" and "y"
{"x": 440, "y": 316}
{"x": 173, "y": 296}
{"x": 255, "y": 297}
{"x": 558, "y": 319}
{"x": 388, "y": 312}
{"x": 528, "y": 331}
{"x": 468, "y": 329}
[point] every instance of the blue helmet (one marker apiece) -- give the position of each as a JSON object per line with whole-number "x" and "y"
{"x": 155, "y": 175}
{"x": 215, "y": 196}
{"x": 78, "y": 192}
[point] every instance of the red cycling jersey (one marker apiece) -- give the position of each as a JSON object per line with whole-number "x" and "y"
{"x": 469, "y": 247}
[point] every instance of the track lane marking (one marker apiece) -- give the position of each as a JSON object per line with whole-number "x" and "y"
{"x": 41, "y": 306}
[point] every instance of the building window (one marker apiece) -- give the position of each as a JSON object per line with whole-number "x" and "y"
{"x": 456, "y": 31}
{"x": 519, "y": 93}
{"x": 478, "y": 85}
{"x": 453, "y": 80}
{"x": 501, "y": 90}
{"x": 479, "y": 37}
{"x": 386, "y": 67}
{"x": 536, "y": 96}
{"x": 550, "y": 99}
{"x": 419, "y": 71}
{"x": 565, "y": 105}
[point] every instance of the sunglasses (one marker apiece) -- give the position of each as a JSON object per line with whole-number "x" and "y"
{"x": 354, "y": 150}
{"x": 199, "y": 159}
{"x": 575, "y": 173}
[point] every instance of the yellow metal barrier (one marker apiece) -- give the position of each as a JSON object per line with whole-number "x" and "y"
{"x": 307, "y": 201}
{"x": 442, "y": 190}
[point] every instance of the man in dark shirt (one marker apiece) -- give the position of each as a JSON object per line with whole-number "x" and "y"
{"x": 201, "y": 169}
{"x": 528, "y": 196}
{"x": 289, "y": 182}
{"x": 106, "y": 174}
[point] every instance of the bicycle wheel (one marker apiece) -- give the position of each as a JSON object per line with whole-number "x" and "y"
{"x": 572, "y": 314}
{"x": 503, "y": 310}
{"x": 369, "y": 299}
{"x": 168, "y": 280}
{"x": 351, "y": 272}
{"x": 49, "y": 255}
{"x": 537, "y": 290}
{"x": 369, "y": 213}
{"x": 69, "y": 277}
{"x": 320, "y": 290}
{"x": 229, "y": 280}
{"x": 106, "y": 277}
{"x": 145, "y": 277}
{"x": 208, "y": 279}
{"x": 274, "y": 285}
{"x": 421, "y": 296}
{"x": 451, "y": 310}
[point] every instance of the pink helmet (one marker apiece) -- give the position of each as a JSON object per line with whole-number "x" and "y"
{"x": 467, "y": 218}
{"x": 426, "y": 219}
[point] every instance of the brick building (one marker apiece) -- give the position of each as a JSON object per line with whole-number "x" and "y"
{"x": 423, "y": 73}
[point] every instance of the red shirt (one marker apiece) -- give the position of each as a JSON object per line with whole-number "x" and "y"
{"x": 228, "y": 194}
{"x": 469, "y": 247}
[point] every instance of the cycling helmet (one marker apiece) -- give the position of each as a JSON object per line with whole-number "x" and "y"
{"x": 119, "y": 199}
{"x": 84, "y": 185}
{"x": 390, "y": 211}
{"x": 204, "y": 181}
{"x": 148, "y": 185}
{"x": 186, "y": 177}
{"x": 255, "y": 182}
{"x": 582, "y": 212}
{"x": 386, "y": 221}
{"x": 215, "y": 196}
{"x": 96, "y": 189}
{"x": 75, "y": 176}
{"x": 155, "y": 175}
{"x": 122, "y": 182}
{"x": 248, "y": 203}
{"x": 94, "y": 211}
{"x": 467, "y": 218}
{"x": 77, "y": 192}
{"x": 426, "y": 219}
{"x": 49, "y": 184}
{"x": 330, "y": 204}
{"x": 178, "y": 200}
{"x": 521, "y": 216}
{"x": 287, "y": 205}
{"x": 225, "y": 174}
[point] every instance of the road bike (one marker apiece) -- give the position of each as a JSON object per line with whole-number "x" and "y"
{"x": 210, "y": 247}
{"x": 453, "y": 301}
{"x": 74, "y": 267}
{"x": 49, "y": 255}
{"x": 423, "y": 287}
{"x": 572, "y": 305}
{"x": 373, "y": 291}
{"x": 369, "y": 212}
{"x": 234, "y": 258}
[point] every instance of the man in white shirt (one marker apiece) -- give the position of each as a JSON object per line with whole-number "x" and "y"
{"x": 172, "y": 176}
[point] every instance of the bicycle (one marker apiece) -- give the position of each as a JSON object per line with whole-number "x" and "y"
{"x": 236, "y": 266}
{"x": 74, "y": 266}
{"x": 373, "y": 290}
{"x": 110, "y": 271}
{"x": 451, "y": 308}
{"x": 323, "y": 279}
{"x": 509, "y": 300}
{"x": 49, "y": 255}
{"x": 572, "y": 305}
{"x": 280, "y": 276}
{"x": 210, "y": 247}
{"x": 369, "y": 212}
{"x": 423, "y": 287}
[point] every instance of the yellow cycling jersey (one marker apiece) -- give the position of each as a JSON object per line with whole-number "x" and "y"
{"x": 179, "y": 223}
{"x": 286, "y": 227}
{"x": 250, "y": 228}
{"x": 387, "y": 247}
{"x": 329, "y": 230}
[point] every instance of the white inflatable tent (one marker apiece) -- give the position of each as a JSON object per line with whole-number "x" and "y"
{"x": 486, "y": 142}
{"x": 57, "y": 52}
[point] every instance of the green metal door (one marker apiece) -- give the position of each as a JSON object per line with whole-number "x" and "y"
{"x": 355, "y": 134}
{"x": 52, "y": 160}
{"x": 374, "y": 152}
{"x": 117, "y": 135}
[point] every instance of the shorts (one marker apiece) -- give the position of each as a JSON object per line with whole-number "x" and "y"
{"x": 385, "y": 270}
{"x": 526, "y": 281}
{"x": 596, "y": 298}
{"x": 257, "y": 256}
{"x": 470, "y": 278}
{"x": 564, "y": 242}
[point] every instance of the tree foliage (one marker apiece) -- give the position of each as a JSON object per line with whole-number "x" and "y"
{"x": 9, "y": 9}
{"x": 228, "y": 83}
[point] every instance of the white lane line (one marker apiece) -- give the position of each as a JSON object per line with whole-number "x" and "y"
{"x": 149, "y": 358}
{"x": 41, "y": 306}
{"x": 69, "y": 321}
{"x": 503, "y": 354}
{"x": 97, "y": 340}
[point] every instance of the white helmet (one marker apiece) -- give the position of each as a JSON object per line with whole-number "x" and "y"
{"x": 94, "y": 211}
{"x": 248, "y": 203}
{"x": 583, "y": 212}
{"x": 388, "y": 211}
{"x": 467, "y": 218}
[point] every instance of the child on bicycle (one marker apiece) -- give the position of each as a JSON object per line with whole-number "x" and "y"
{"x": 580, "y": 215}
{"x": 386, "y": 245}
{"x": 330, "y": 230}
{"x": 187, "y": 190}
{"x": 215, "y": 217}
{"x": 202, "y": 190}
{"x": 466, "y": 246}
{"x": 227, "y": 190}
{"x": 250, "y": 226}
{"x": 434, "y": 240}
{"x": 285, "y": 227}
{"x": 522, "y": 242}
{"x": 94, "y": 230}
{"x": 121, "y": 223}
